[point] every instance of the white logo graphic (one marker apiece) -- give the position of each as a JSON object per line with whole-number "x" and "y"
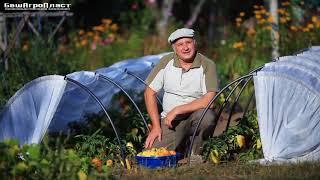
{"x": 36, "y": 7}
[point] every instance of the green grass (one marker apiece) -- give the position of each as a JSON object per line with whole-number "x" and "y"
{"x": 229, "y": 170}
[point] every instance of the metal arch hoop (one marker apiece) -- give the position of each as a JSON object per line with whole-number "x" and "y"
{"x": 228, "y": 97}
{"x": 103, "y": 108}
{"x": 249, "y": 100}
{"x": 141, "y": 80}
{"x": 251, "y": 96}
{"x": 236, "y": 100}
{"x": 247, "y": 106}
{"x": 206, "y": 109}
{"x": 224, "y": 104}
{"x": 122, "y": 89}
{"x": 212, "y": 100}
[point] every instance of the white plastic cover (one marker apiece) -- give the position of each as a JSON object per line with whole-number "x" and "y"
{"x": 288, "y": 103}
{"x": 76, "y": 103}
{"x": 28, "y": 113}
{"x": 52, "y": 102}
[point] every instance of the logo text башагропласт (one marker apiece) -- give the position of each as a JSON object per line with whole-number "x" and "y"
{"x": 36, "y": 7}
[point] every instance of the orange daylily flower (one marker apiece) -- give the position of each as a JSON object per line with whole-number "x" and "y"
{"x": 114, "y": 27}
{"x": 81, "y": 32}
{"x": 106, "y": 21}
{"x": 314, "y": 19}
{"x": 293, "y": 28}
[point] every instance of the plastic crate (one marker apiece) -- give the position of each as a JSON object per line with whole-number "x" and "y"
{"x": 155, "y": 162}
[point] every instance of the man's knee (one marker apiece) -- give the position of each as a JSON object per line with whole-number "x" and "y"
{"x": 208, "y": 118}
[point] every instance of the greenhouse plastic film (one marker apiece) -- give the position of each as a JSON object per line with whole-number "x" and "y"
{"x": 288, "y": 105}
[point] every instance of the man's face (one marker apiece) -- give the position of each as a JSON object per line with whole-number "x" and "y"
{"x": 185, "y": 49}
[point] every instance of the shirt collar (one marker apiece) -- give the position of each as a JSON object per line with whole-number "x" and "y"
{"x": 195, "y": 64}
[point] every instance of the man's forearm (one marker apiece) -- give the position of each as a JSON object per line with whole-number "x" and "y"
{"x": 196, "y": 104}
{"x": 152, "y": 107}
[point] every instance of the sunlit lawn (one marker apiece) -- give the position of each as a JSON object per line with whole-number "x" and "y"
{"x": 230, "y": 170}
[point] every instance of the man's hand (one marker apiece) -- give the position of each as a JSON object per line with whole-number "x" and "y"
{"x": 170, "y": 117}
{"x": 156, "y": 132}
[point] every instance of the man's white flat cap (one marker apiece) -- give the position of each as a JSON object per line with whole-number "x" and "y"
{"x": 179, "y": 33}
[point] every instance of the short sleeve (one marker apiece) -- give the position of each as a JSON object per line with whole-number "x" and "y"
{"x": 155, "y": 79}
{"x": 210, "y": 76}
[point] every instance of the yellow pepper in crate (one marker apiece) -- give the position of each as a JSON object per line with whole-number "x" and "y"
{"x": 162, "y": 151}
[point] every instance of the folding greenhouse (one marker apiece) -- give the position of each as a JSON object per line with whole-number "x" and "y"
{"x": 288, "y": 103}
{"x": 50, "y": 103}
{"x": 287, "y": 93}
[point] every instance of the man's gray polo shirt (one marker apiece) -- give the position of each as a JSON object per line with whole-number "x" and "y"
{"x": 180, "y": 86}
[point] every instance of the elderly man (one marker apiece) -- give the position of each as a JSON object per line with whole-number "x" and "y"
{"x": 189, "y": 81}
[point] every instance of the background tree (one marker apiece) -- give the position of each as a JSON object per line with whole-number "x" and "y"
{"x": 275, "y": 36}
